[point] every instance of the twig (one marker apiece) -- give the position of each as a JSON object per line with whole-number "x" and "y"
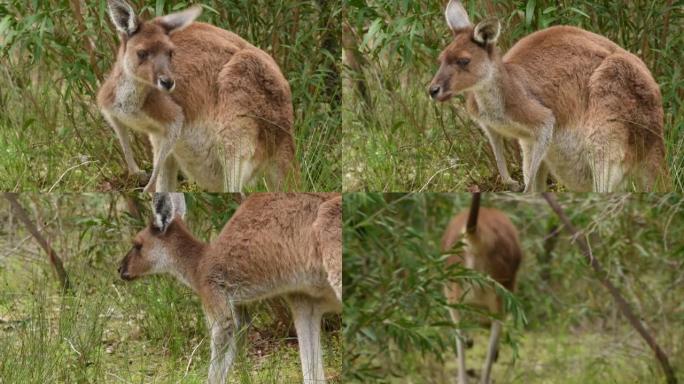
{"x": 435, "y": 175}
{"x": 117, "y": 377}
{"x": 72, "y": 346}
{"x": 67, "y": 171}
{"x": 622, "y": 304}
{"x": 54, "y": 259}
{"x": 187, "y": 368}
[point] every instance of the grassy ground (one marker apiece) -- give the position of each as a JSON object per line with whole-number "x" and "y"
{"x": 566, "y": 356}
{"x": 397, "y": 139}
{"x": 113, "y": 332}
{"x": 54, "y": 56}
{"x": 110, "y": 331}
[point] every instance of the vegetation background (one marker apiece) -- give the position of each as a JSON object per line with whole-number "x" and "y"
{"x": 106, "y": 330}
{"x": 54, "y": 55}
{"x": 563, "y": 325}
{"x": 396, "y": 139}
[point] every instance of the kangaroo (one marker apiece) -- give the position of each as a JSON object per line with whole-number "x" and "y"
{"x": 491, "y": 247}
{"x": 275, "y": 244}
{"x": 211, "y": 103}
{"x": 580, "y": 106}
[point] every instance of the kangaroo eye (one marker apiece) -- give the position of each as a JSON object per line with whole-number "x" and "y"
{"x": 142, "y": 54}
{"x": 462, "y": 62}
{"x": 170, "y": 54}
{"x": 137, "y": 247}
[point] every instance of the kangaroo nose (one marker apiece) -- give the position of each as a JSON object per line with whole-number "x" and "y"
{"x": 434, "y": 90}
{"x": 123, "y": 273}
{"x": 166, "y": 83}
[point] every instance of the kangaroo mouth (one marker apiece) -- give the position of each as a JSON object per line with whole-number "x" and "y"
{"x": 444, "y": 96}
{"x": 123, "y": 273}
{"x": 126, "y": 277}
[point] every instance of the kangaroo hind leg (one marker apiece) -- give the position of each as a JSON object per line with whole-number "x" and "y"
{"x": 307, "y": 313}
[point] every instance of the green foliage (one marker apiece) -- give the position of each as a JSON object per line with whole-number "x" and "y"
{"x": 397, "y": 139}
{"x": 396, "y": 323}
{"x": 394, "y": 278}
{"x": 108, "y": 330}
{"x": 55, "y": 54}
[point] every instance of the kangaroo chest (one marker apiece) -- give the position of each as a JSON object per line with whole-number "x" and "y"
{"x": 489, "y": 110}
{"x": 139, "y": 121}
{"x": 129, "y": 98}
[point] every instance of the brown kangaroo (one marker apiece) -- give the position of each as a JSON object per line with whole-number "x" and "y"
{"x": 275, "y": 244}
{"x": 211, "y": 103}
{"x": 580, "y": 106}
{"x": 490, "y": 246}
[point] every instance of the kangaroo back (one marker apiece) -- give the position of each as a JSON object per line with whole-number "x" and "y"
{"x": 269, "y": 248}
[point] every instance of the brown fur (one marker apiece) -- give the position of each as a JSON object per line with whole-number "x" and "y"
{"x": 259, "y": 255}
{"x": 328, "y": 235}
{"x": 603, "y": 105}
{"x": 233, "y": 101}
{"x": 494, "y": 247}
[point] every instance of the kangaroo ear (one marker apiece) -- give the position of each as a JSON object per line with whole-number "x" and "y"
{"x": 162, "y": 205}
{"x": 178, "y": 201}
{"x": 123, "y": 16}
{"x": 487, "y": 32}
{"x": 456, "y": 16}
{"x": 174, "y": 22}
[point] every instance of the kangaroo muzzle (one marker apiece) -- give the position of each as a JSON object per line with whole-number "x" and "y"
{"x": 123, "y": 270}
{"x": 434, "y": 91}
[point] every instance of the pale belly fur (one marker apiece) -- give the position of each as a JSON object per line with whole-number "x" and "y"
{"x": 198, "y": 157}
{"x": 568, "y": 162}
{"x": 204, "y": 159}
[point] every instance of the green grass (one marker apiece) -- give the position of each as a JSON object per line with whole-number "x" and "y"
{"x": 112, "y": 332}
{"x": 397, "y": 139}
{"x": 52, "y": 137}
{"x": 565, "y": 356}
{"x": 396, "y": 148}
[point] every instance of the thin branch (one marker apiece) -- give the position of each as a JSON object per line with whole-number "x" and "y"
{"x": 54, "y": 259}
{"x": 187, "y": 368}
{"x": 545, "y": 258}
{"x": 133, "y": 206}
{"x": 622, "y": 304}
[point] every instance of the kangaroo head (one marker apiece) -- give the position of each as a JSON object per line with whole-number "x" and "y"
{"x": 468, "y": 61}
{"x": 146, "y": 48}
{"x": 155, "y": 246}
